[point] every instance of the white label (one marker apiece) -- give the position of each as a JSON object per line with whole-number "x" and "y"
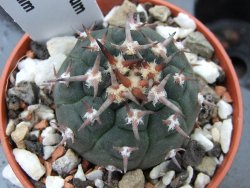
{"x": 44, "y": 19}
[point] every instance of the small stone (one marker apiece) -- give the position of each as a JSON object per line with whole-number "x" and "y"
{"x": 99, "y": 183}
{"x": 38, "y": 71}
{"x": 19, "y": 135}
{"x": 95, "y": 174}
{"x": 186, "y": 186}
{"x": 66, "y": 163}
{"x": 51, "y": 139}
{"x": 204, "y": 141}
{"x": 10, "y": 127}
{"x": 226, "y": 133}
{"x": 58, "y": 152}
{"x": 220, "y": 90}
{"x": 26, "y": 91}
{"x": 30, "y": 163}
{"x": 41, "y": 125}
{"x": 216, "y": 151}
{"x": 133, "y": 179}
{"x": 160, "y": 184}
{"x": 190, "y": 171}
{"x": 47, "y": 151}
{"x": 184, "y": 21}
{"x": 227, "y": 97}
{"x": 180, "y": 179}
{"x": 54, "y": 182}
{"x": 38, "y": 184}
{"x": 167, "y": 178}
{"x": 140, "y": 9}
{"x": 68, "y": 185}
{"x": 224, "y": 109}
{"x": 166, "y": 31}
{"x": 34, "y": 147}
{"x": 61, "y": 45}
{"x": 119, "y": 16}
{"x": 80, "y": 174}
{"x": 160, "y": 13}
{"x": 149, "y": 185}
{"x": 68, "y": 178}
{"x": 33, "y": 135}
{"x": 198, "y": 44}
{"x": 207, "y": 70}
{"x": 13, "y": 103}
{"x": 48, "y": 167}
{"x": 215, "y": 132}
{"x": 191, "y": 57}
{"x": 47, "y": 131}
{"x": 80, "y": 184}
{"x": 193, "y": 154}
{"x": 45, "y": 97}
{"x": 201, "y": 181}
{"x": 207, "y": 165}
{"x": 40, "y": 50}
{"x": 159, "y": 170}
{"x": 8, "y": 174}
{"x": 44, "y": 112}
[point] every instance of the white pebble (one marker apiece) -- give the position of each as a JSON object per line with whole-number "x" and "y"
{"x": 159, "y": 170}
{"x": 192, "y": 58}
{"x": 8, "y": 174}
{"x": 204, "y": 141}
{"x": 201, "y": 181}
{"x": 24, "y": 124}
{"x": 208, "y": 70}
{"x": 10, "y": 127}
{"x": 186, "y": 186}
{"x": 190, "y": 171}
{"x": 30, "y": 163}
{"x": 221, "y": 159}
{"x": 208, "y": 165}
{"x": 61, "y": 45}
{"x": 47, "y": 151}
{"x": 166, "y": 31}
{"x": 95, "y": 174}
{"x": 110, "y": 15}
{"x": 184, "y": 21}
{"x": 38, "y": 71}
{"x": 167, "y": 178}
{"x": 44, "y": 112}
{"x": 215, "y": 132}
{"x": 224, "y": 109}
{"x": 80, "y": 174}
{"x": 183, "y": 33}
{"x": 204, "y": 132}
{"x": 51, "y": 139}
{"x": 179, "y": 45}
{"x": 54, "y": 182}
{"x": 47, "y": 131}
{"x": 99, "y": 183}
{"x": 226, "y": 133}
{"x": 218, "y": 125}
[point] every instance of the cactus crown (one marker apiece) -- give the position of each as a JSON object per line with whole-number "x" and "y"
{"x": 123, "y": 92}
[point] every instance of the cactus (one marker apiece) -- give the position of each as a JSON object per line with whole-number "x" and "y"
{"x": 128, "y": 95}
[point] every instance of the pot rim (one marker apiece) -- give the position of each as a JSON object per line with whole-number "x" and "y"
{"x": 220, "y": 53}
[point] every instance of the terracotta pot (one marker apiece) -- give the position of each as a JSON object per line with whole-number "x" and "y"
{"x": 232, "y": 85}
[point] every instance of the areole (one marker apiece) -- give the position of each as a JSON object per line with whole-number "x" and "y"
{"x": 232, "y": 85}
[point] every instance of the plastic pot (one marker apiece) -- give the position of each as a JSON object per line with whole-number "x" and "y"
{"x": 232, "y": 85}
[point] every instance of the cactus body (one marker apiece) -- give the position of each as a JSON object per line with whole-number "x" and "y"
{"x": 100, "y": 140}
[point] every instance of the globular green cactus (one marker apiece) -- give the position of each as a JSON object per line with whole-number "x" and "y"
{"x": 128, "y": 95}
